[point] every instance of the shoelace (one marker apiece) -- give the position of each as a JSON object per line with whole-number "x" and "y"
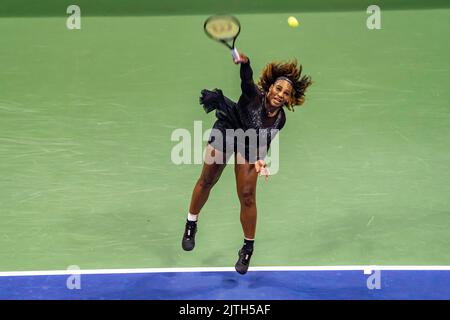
{"x": 189, "y": 230}
{"x": 245, "y": 257}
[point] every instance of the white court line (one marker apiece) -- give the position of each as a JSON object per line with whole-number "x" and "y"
{"x": 367, "y": 268}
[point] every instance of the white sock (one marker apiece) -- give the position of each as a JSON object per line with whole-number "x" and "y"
{"x": 192, "y": 217}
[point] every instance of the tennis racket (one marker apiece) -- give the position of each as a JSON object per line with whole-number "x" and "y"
{"x": 224, "y": 29}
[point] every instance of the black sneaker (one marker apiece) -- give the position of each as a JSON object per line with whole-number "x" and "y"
{"x": 243, "y": 261}
{"x": 188, "y": 242}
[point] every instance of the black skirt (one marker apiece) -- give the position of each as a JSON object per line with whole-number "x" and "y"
{"x": 227, "y": 116}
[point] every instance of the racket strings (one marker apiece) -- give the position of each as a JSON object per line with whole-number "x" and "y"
{"x": 222, "y": 28}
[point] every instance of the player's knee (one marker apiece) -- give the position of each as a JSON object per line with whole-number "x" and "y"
{"x": 247, "y": 196}
{"x": 206, "y": 182}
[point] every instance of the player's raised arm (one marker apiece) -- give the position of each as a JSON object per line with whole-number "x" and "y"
{"x": 246, "y": 72}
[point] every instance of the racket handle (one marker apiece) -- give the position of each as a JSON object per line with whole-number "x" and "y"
{"x": 235, "y": 54}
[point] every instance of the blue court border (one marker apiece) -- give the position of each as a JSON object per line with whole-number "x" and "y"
{"x": 255, "y": 285}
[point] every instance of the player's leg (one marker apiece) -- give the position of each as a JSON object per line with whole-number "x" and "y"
{"x": 246, "y": 178}
{"x": 211, "y": 173}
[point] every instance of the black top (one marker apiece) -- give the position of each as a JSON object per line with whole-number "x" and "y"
{"x": 251, "y": 105}
{"x": 248, "y": 113}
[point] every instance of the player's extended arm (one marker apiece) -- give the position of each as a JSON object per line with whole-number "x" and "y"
{"x": 247, "y": 84}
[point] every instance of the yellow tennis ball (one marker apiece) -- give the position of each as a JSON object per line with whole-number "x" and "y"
{"x": 292, "y": 22}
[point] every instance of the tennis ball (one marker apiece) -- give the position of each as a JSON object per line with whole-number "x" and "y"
{"x": 292, "y": 22}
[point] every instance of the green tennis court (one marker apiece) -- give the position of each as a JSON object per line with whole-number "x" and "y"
{"x": 86, "y": 118}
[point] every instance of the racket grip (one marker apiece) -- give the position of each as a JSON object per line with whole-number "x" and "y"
{"x": 235, "y": 54}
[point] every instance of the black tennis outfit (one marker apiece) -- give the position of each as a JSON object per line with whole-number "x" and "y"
{"x": 248, "y": 113}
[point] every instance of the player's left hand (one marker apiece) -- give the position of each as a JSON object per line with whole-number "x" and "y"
{"x": 260, "y": 167}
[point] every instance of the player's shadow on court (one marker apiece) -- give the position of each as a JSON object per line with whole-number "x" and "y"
{"x": 230, "y": 281}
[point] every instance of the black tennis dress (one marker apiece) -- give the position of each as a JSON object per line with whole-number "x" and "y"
{"x": 247, "y": 114}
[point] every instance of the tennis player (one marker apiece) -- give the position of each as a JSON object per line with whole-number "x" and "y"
{"x": 260, "y": 110}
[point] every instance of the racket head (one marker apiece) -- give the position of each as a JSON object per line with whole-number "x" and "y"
{"x": 222, "y": 28}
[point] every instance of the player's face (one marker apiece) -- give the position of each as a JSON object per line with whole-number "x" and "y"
{"x": 279, "y": 93}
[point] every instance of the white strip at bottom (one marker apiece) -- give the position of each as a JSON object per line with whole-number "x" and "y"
{"x": 365, "y": 269}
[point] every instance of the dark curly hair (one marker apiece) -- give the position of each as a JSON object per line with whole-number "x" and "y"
{"x": 291, "y": 70}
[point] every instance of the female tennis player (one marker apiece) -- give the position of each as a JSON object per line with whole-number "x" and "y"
{"x": 259, "y": 110}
